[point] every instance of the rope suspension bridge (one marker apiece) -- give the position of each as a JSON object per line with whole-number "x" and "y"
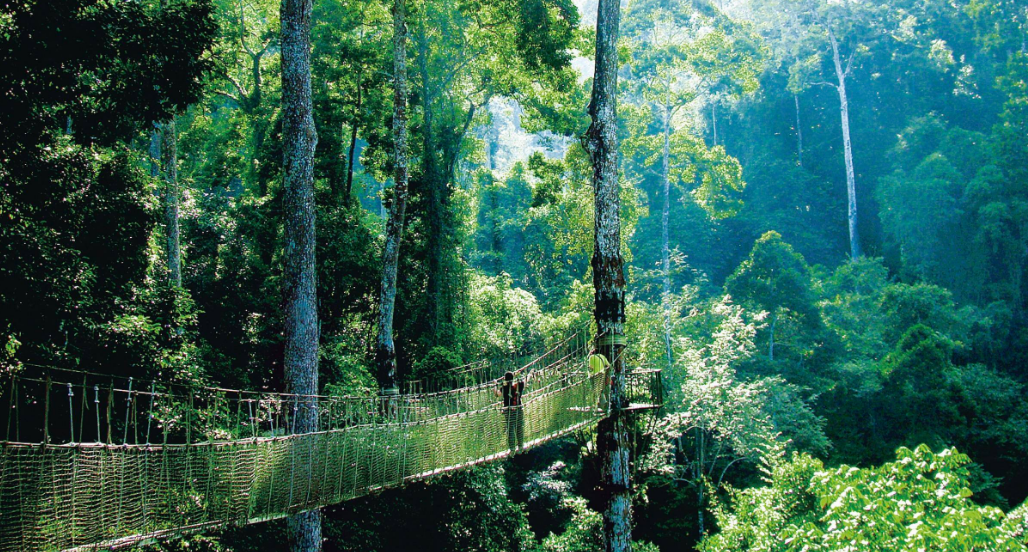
{"x": 94, "y": 462}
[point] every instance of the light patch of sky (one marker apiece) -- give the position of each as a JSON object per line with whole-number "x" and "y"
{"x": 506, "y": 142}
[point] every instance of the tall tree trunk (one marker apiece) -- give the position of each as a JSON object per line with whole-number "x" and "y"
{"x": 435, "y": 183}
{"x": 155, "y": 151}
{"x": 713, "y": 120}
{"x": 258, "y": 136}
{"x": 665, "y": 234}
{"x": 386, "y": 347}
{"x": 799, "y": 131}
{"x": 171, "y": 201}
{"x": 699, "y": 475}
{"x": 299, "y": 138}
{"x": 851, "y": 180}
{"x": 601, "y": 141}
{"x": 348, "y": 190}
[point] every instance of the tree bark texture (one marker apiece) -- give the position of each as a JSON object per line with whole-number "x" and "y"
{"x": 601, "y": 141}
{"x": 386, "y": 346}
{"x": 169, "y": 151}
{"x": 851, "y": 180}
{"x": 299, "y": 139}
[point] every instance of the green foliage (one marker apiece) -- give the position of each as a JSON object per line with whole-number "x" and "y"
{"x": 774, "y": 278}
{"x": 343, "y": 370}
{"x": 467, "y": 511}
{"x": 504, "y": 320}
{"x": 920, "y": 502}
{"x": 142, "y": 61}
{"x": 437, "y": 361}
{"x": 923, "y": 342}
{"x": 720, "y": 425}
{"x": 583, "y": 533}
{"x": 503, "y": 215}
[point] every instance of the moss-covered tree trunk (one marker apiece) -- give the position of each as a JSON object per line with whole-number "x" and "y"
{"x": 299, "y": 139}
{"x": 386, "y": 347}
{"x": 601, "y": 141}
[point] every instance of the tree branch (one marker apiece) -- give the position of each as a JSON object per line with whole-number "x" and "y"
{"x": 235, "y": 84}
{"x": 724, "y": 471}
{"x": 849, "y": 63}
{"x": 229, "y": 95}
{"x": 242, "y": 29}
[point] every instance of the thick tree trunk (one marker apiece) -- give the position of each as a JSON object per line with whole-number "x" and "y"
{"x": 665, "y": 234}
{"x": 171, "y": 201}
{"x": 601, "y": 141}
{"x": 386, "y": 347}
{"x": 851, "y": 180}
{"x": 799, "y": 131}
{"x": 299, "y": 139}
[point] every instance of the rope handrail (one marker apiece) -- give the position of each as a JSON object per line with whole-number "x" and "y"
{"x": 198, "y": 388}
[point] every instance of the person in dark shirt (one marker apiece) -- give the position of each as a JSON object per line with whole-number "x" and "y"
{"x": 512, "y": 391}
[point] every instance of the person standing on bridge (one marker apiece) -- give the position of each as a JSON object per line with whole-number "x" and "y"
{"x": 512, "y": 392}
{"x": 599, "y": 363}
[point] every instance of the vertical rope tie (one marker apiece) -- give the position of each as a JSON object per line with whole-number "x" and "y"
{"x": 253, "y": 424}
{"x": 10, "y": 407}
{"x": 71, "y": 414}
{"x": 149, "y": 414}
{"x": 128, "y": 409}
{"x": 96, "y": 407}
{"x": 82, "y": 411}
{"x": 46, "y": 413}
{"x": 110, "y": 403}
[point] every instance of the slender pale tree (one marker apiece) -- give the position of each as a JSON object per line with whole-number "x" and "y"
{"x": 799, "y": 131}
{"x": 842, "y": 30}
{"x": 842, "y": 72}
{"x": 601, "y": 141}
{"x": 668, "y": 90}
{"x": 679, "y": 57}
{"x": 169, "y": 154}
{"x": 386, "y": 347}
{"x": 164, "y": 158}
{"x": 299, "y": 139}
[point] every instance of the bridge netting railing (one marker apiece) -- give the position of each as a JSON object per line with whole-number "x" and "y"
{"x": 493, "y": 365}
{"x": 93, "y": 463}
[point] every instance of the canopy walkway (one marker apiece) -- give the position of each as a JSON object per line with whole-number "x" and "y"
{"x": 96, "y": 463}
